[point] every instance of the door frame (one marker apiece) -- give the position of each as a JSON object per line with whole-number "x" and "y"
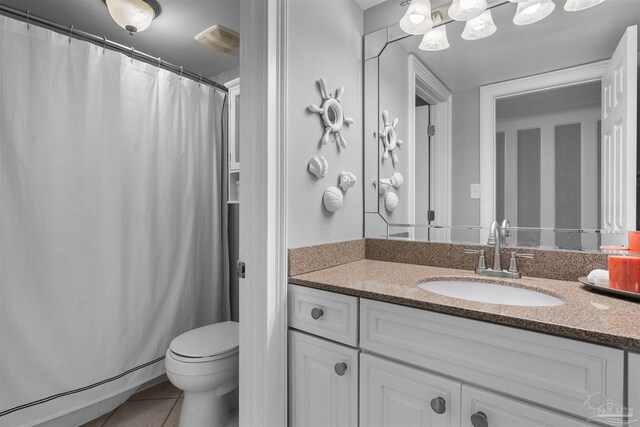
{"x": 439, "y": 98}
{"x": 488, "y": 96}
{"x": 263, "y": 232}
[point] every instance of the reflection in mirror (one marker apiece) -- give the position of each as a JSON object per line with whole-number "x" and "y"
{"x": 548, "y": 164}
{"x": 558, "y": 173}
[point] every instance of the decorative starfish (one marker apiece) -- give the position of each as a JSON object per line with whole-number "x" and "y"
{"x": 331, "y": 113}
{"x": 390, "y": 138}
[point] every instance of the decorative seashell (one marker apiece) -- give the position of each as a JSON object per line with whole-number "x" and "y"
{"x": 397, "y": 179}
{"x": 390, "y": 201}
{"x": 384, "y": 185}
{"x": 347, "y": 180}
{"x": 318, "y": 166}
{"x": 332, "y": 199}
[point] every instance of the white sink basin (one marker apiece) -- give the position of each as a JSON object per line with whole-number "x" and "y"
{"x": 490, "y": 293}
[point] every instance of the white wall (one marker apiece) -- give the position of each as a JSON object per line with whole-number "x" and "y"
{"x": 324, "y": 41}
{"x": 227, "y": 76}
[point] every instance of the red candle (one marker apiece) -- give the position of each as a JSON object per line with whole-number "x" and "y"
{"x": 624, "y": 273}
{"x": 633, "y": 239}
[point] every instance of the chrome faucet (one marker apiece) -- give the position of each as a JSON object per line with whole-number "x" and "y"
{"x": 497, "y": 237}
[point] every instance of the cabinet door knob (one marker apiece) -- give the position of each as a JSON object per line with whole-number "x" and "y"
{"x": 316, "y": 313}
{"x": 340, "y": 368}
{"x": 439, "y": 405}
{"x": 479, "y": 419}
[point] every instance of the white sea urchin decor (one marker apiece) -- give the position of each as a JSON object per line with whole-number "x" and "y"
{"x": 331, "y": 113}
{"x": 332, "y": 199}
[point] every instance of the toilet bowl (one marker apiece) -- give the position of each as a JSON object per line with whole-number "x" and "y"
{"x": 203, "y": 363}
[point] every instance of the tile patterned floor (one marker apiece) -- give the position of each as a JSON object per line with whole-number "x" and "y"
{"x": 157, "y": 406}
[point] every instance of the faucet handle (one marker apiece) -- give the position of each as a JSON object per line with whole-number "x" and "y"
{"x": 513, "y": 266}
{"x": 482, "y": 261}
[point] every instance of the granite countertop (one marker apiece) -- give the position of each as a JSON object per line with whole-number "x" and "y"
{"x": 586, "y": 315}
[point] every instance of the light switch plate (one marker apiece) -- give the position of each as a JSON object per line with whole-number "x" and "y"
{"x": 475, "y": 191}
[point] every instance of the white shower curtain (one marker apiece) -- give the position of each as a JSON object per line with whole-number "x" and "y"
{"x": 110, "y": 220}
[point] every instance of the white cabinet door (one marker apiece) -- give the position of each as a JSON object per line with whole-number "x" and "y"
{"x": 481, "y": 408}
{"x": 323, "y": 382}
{"x": 619, "y": 115}
{"x": 395, "y": 395}
{"x": 633, "y": 384}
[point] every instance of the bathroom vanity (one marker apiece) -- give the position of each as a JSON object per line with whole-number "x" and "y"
{"x": 368, "y": 347}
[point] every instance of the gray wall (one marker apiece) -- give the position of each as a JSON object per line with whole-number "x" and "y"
{"x": 465, "y": 170}
{"x": 325, "y": 41}
{"x": 393, "y": 84}
{"x": 382, "y": 15}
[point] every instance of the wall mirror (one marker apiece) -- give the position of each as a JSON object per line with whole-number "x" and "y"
{"x": 529, "y": 124}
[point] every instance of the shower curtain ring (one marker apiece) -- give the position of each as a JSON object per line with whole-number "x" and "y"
{"x": 104, "y": 44}
{"x": 132, "y": 50}
{"x": 70, "y": 33}
{"x": 200, "y": 81}
{"x": 181, "y": 71}
{"x": 159, "y": 63}
{"x": 28, "y": 26}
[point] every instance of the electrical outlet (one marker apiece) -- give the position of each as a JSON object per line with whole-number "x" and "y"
{"x": 475, "y": 191}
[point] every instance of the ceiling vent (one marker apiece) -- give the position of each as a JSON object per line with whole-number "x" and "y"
{"x": 219, "y": 38}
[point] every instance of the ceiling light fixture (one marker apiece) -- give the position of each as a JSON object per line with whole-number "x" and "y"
{"x": 480, "y": 27}
{"x": 436, "y": 38}
{"x": 133, "y": 15}
{"x": 532, "y": 11}
{"x": 417, "y": 18}
{"x": 576, "y": 5}
{"x": 463, "y": 10}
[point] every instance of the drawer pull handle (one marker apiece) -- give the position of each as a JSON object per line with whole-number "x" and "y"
{"x": 439, "y": 405}
{"x": 340, "y": 368}
{"x": 479, "y": 419}
{"x": 316, "y": 313}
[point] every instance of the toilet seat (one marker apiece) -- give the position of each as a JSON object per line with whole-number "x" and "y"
{"x": 188, "y": 359}
{"x": 206, "y": 343}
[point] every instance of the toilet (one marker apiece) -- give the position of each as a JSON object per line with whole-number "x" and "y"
{"x": 204, "y": 363}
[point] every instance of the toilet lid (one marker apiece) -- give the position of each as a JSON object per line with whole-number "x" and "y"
{"x": 210, "y": 340}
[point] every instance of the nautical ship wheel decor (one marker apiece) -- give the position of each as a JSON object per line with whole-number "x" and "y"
{"x": 390, "y": 137}
{"x": 331, "y": 114}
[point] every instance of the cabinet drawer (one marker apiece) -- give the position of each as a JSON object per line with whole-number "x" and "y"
{"x": 339, "y": 318}
{"x": 555, "y": 372}
{"x": 323, "y": 382}
{"x": 395, "y": 395}
{"x": 501, "y": 411}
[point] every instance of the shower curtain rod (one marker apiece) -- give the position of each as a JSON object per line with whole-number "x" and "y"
{"x": 29, "y": 18}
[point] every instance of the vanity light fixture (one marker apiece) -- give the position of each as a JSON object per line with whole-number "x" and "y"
{"x": 464, "y": 10}
{"x": 576, "y": 5}
{"x": 417, "y": 18}
{"x": 133, "y": 15}
{"x": 436, "y": 38}
{"x": 532, "y": 11}
{"x": 480, "y": 27}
